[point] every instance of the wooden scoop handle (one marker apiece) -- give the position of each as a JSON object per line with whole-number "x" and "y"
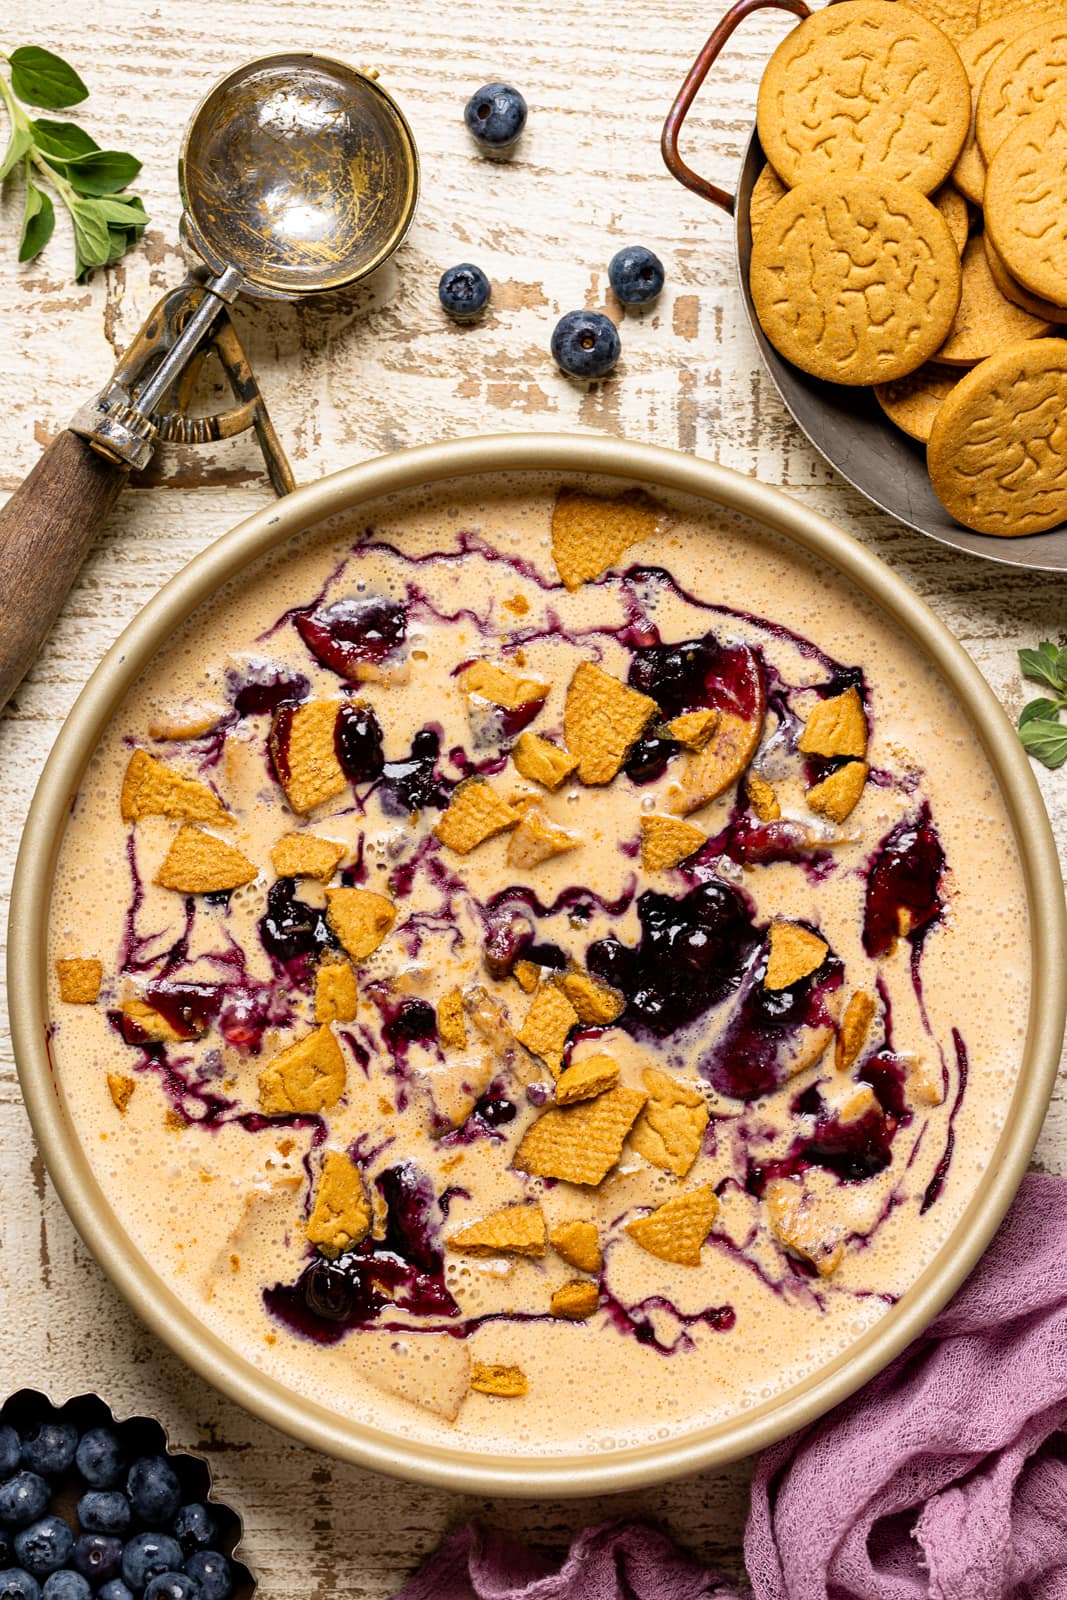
{"x": 46, "y": 529}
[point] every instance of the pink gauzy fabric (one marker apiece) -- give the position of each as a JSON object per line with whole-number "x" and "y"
{"x": 616, "y": 1561}
{"x": 946, "y": 1477}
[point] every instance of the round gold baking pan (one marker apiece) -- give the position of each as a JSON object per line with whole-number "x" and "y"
{"x": 134, "y": 1275}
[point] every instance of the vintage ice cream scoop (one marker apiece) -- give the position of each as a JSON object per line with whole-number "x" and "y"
{"x": 298, "y": 174}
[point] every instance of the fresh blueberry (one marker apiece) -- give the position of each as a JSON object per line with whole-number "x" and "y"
{"x": 44, "y": 1546}
{"x": 100, "y": 1458}
{"x": 496, "y": 115}
{"x": 49, "y": 1447}
{"x": 154, "y": 1491}
{"x": 636, "y": 275}
{"x": 66, "y": 1585}
{"x": 212, "y": 1572}
{"x": 115, "y": 1590}
{"x": 173, "y": 1586}
{"x": 98, "y": 1557}
{"x": 10, "y": 1451}
{"x": 147, "y": 1555}
{"x": 6, "y": 1549}
{"x": 463, "y": 291}
{"x": 15, "y": 1584}
{"x": 23, "y": 1499}
{"x": 104, "y": 1511}
{"x": 586, "y": 344}
{"x": 195, "y": 1528}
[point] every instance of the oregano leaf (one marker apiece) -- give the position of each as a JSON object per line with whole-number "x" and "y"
{"x": 19, "y": 144}
{"x": 38, "y": 221}
{"x": 101, "y": 172}
{"x": 127, "y": 212}
{"x": 1045, "y": 741}
{"x": 1039, "y": 710}
{"x": 40, "y": 78}
{"x": 61, "y": 141}
{"x": 91, "y": 236}
{"x": 1046, "y": 664}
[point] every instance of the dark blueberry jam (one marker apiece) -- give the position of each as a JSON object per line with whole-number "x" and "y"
{"x": 404, "y": 1271}
{"x": 263, "y": 685}
{"x": 752, "y": 1055}
{"x": 357, "y": 738}
{"x": 414, "y": 782}
{"x": 509, "y": 935}
{"x": 648, "y": 759}
{"x": 903, "y": 884}
{"x": 692, "y": 953}
{"x": 637, "y": 1320}
{"x": 855, "y": 1150}
{"x": 281, "y": 730}
{"x": 290, "y": 928}
{"x": 411, "y": 1021}
{"x": 697, "y": 674}
{"x": 752, "y": 843}
{"x": 189, "y": 1008}
{"x": 495, "y": 1110}
{"x": 352, "y": 633}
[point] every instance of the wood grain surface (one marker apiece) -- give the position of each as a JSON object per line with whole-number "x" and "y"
{"x": 347, "y": 378}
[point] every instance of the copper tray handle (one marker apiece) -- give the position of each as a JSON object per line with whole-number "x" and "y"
{"x": 688, "y": 93}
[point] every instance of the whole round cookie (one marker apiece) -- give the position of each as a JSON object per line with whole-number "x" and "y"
{"x": 986, "y": 321}
{"x": 913, "y": 402}
{"x": 1013, "y": 290}
{"x": 1029, "y": 72}
{"x": 978, "y": 53}
{"x": 1026, "y": 202}
{"x": 767, "y": 190}
{"x": 998, "y": 445}
{"x": 855, "y": 280}
{"x": 864, "y": 87}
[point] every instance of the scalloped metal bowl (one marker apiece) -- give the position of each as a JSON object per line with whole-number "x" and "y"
{"x": 361, "y": 1441}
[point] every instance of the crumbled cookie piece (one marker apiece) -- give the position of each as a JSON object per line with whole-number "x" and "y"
{"x": 836, "y": 727}
{"x": 670, "y": 1129}
{"x": 595, "y": 1002}
{"x": 762, "y": 798}
{"x": 584, "y": 1079}
{"x": 341, "y": 1216}
{"x": 602, "y": 719}
{"x": 360, "y": 919}
{"x": 489, "y": 1019}
{"x": 855, "y": 1025}
{"x": 187, "y": 721}
{"x": 121, "y": 1090}
{"x": 305, "y": 855}
{"x": 926, "y": 1083}
{"x": 579, "y": 1245}
{"x": 80, "y": 978}
{"x": 575, "y": 1301}
{"x": 432, "y": 1371}
{"x": 580, "y": 1143}
{"x": 849, "y": 1099}
{"x": 589, "y": 534}
{"x": 308, "y": 1076}
{"x": 304, "y": 755}
{"x": 198, "y": 863}
{"x": 475, "y": 813}
{"x": 149, "y": 1025}
{"x": 837, "y": 796}
{"x": 527, "y": 975}
{"x": 693, "y": 729}
{"x": 508, "y": 1382}
{"x": 517, "y": 1230}
{"x": 794, "y": 1222}
{"x": 706, "y": 774}
{"x": 795, "y": 953}
{"x": 537, "y": 838}
{"x": 500, "y": 687}
{"x": 548, "y": 1022}
{"x": 152, "y": 789}
{"x": 336, "y": 995}
{"x": 676, "y": 1230}
{"x": 541, "y": 761}
{"x": 451, "y": 1022}
{"x": 666, "y": 841}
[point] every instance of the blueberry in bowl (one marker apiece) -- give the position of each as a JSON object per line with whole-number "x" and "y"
{"x": 495, "y": 116}
{"x": 585, "y": 344}
{"x": 636, "y": 274}
{"x": 92, "y": 1506}
{"x": 463, "y": 291}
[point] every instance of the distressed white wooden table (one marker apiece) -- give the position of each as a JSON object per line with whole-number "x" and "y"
{"x": 372, "y": 370}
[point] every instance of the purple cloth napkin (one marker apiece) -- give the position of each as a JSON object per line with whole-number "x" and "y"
{"x": 944, "y": 1479}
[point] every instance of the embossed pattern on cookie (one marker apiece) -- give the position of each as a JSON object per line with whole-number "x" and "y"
{"x": 998, "y": 446}
{"x": 864, "y": 87}
{"x": 1027, "y": 74}
{"x": 855, "y": 280}
{"x": 1026, "y": 202}
{"x": 978, "y": 53}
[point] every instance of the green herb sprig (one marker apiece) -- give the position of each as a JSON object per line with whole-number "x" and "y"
{"x": 91, "y": 182}
{"x": 1040, "y": 728}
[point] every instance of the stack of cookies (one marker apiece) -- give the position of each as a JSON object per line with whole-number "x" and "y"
{"x": 910, "y": 233}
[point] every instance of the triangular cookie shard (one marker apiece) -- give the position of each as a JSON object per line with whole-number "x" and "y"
{"x": 517, "y": 1230}
{"x": 676, "y": 1230}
